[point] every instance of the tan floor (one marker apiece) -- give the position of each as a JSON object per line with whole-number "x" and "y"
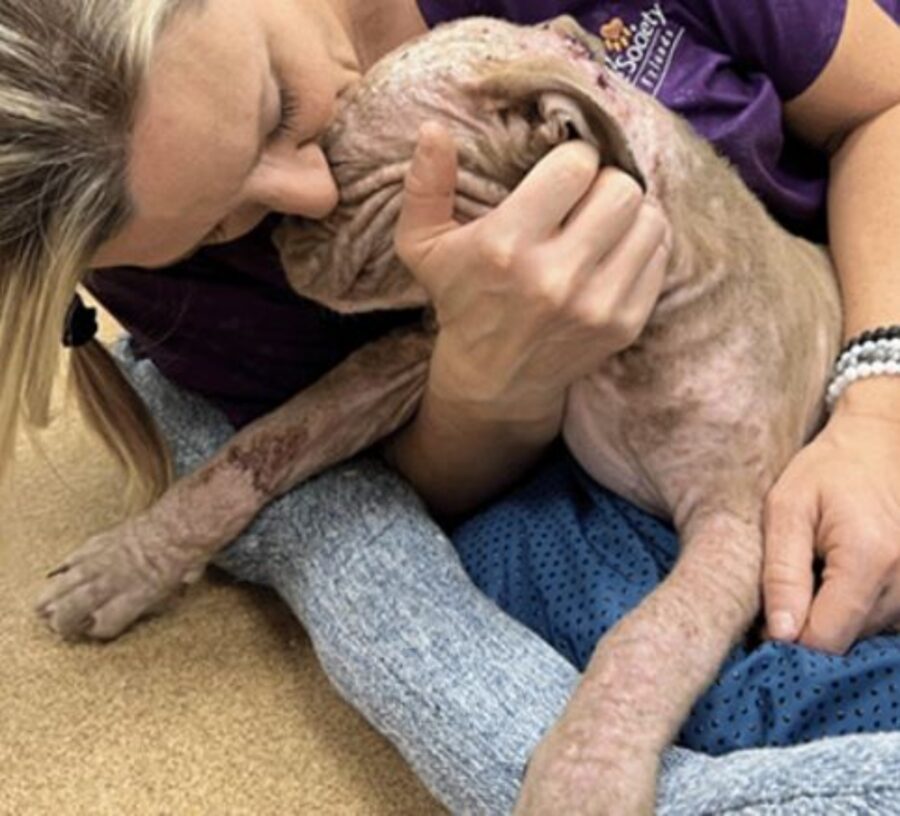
{"x": 218, "y": 707}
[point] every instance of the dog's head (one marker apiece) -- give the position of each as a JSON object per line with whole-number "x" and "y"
{"x": 508, "y": 94}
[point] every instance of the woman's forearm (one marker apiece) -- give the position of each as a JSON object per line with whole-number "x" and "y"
{"x": 864, "y": 216}
{"x": 864, "y": 220}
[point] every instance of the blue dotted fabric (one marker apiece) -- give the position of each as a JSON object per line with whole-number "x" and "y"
{"x": 568, "y": 559}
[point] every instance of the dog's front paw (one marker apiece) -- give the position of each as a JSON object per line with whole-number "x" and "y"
{"x": 114, "y": 579}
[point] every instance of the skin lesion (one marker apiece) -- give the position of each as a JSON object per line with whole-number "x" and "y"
{"x": 270, "y": 454}
{"x": 120, "y": 575}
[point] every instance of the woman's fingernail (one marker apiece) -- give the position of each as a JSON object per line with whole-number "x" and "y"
{"x": 782, "y": 626}
{"x": 429, "y": 138}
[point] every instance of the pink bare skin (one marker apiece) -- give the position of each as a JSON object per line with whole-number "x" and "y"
{"x": 123, "y": 573}
{"x": 695, "y": 421}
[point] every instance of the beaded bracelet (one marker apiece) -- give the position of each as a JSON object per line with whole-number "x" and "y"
{"x": 873, "y": 353}
{"x": 881, "y": 333}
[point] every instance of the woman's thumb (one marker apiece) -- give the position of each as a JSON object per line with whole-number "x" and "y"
{"x": 789, "y": 529}
{"x": 429, "y": 192}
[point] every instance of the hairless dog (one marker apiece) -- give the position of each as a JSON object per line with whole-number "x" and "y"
{"x": 694, "y": 422}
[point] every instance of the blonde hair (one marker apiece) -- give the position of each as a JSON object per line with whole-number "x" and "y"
{"x": 71, "y": 73}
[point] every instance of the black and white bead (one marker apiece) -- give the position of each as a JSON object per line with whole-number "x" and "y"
{"x": 874, "y": 353}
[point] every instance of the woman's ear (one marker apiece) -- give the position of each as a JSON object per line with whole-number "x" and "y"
{"x": 558, "y": 104}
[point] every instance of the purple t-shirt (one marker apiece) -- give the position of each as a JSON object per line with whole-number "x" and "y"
{"x": 725, "y": 65}
{"x": 226, "y": 325}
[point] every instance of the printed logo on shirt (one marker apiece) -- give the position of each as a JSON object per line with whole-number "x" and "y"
{"x": 616, "y": 35}
{"x": 642, "y": 51}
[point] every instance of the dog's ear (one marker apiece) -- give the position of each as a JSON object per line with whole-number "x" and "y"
{"x": 558, "y": 102}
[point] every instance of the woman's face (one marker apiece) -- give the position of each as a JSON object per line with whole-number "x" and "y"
{"x": 227, "y": 126}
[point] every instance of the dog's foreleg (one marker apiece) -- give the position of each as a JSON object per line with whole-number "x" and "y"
{"x": 120, "y": 574}
{"x": 647, "y": 672}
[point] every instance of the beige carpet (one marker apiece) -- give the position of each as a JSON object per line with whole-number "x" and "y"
{"x": 218, "y": 707}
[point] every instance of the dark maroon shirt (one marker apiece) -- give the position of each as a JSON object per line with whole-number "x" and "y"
{"x": 225, "y": 323}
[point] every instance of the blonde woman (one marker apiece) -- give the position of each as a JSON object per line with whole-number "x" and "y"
{"x": 136, "y": 133}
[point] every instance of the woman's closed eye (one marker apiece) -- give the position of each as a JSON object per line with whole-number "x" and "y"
{"x": 290, "y": 106}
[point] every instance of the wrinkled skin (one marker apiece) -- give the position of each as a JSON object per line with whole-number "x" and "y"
{"x": 693, "y": 422}
{"x": 122, "y": 573}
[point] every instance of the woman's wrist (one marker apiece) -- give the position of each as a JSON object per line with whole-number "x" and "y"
{"x": 875, "y": 396}
{"x": 461, "y": 449}
{"x": 462, "y": 384}
{"x": 475, "y": 412}
{"x": 865, "y": 378}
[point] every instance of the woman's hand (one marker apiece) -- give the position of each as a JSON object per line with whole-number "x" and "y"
{"x": 838, "y": 500}
{"x": 539, "y": 292}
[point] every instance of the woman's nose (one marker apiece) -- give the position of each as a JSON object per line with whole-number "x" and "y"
{"x": 295, "y": 181}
